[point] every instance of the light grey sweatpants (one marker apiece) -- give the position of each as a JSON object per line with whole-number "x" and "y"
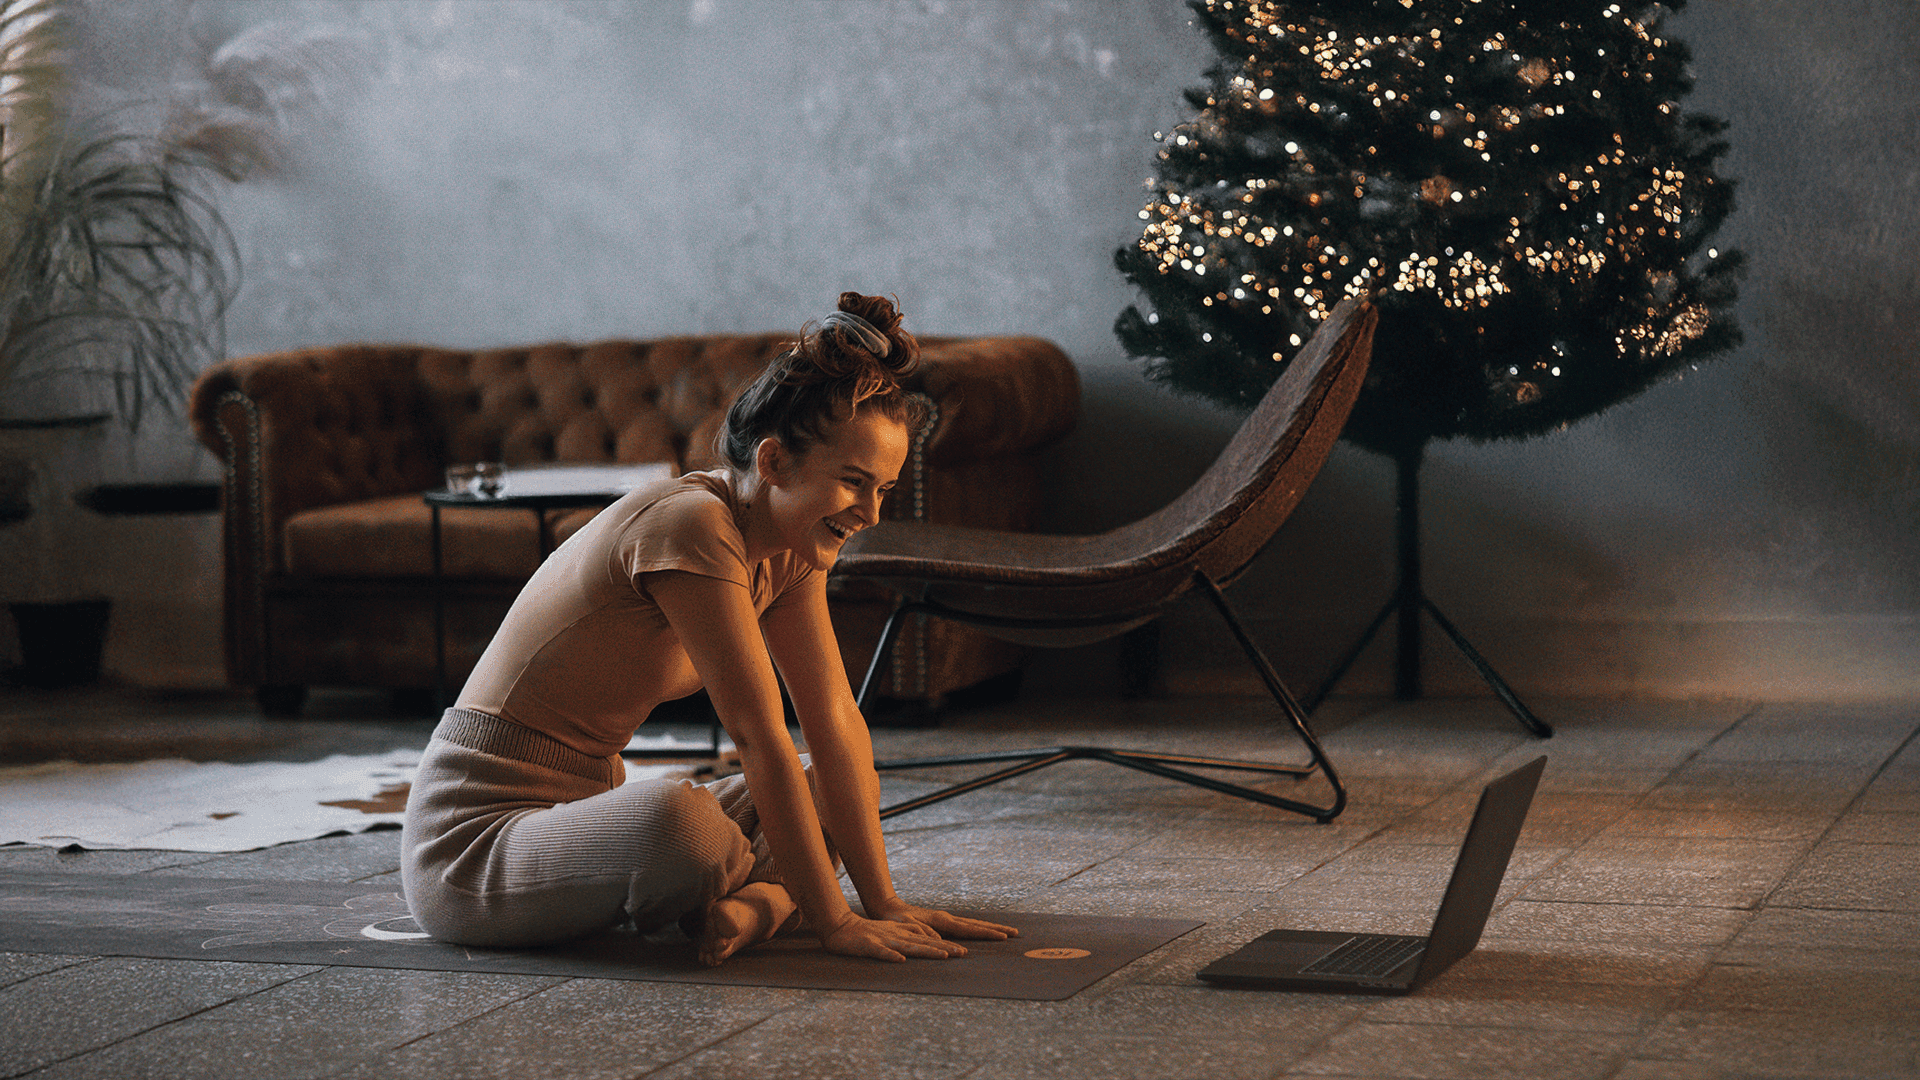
{"x": 513, "y": 839}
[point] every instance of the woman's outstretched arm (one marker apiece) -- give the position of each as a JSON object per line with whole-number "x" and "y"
{"x": 715, "y": 622}
{"x": 799, "y": 633}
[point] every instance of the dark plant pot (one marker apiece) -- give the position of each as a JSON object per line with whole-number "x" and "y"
{"x": 60, "y": 642}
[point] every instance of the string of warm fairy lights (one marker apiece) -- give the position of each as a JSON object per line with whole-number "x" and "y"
{"x": 1452, "y": 152}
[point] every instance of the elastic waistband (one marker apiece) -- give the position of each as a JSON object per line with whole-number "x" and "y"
{"x": 504, "y": 738}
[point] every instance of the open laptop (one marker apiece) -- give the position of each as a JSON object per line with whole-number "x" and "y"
{"x": 1395, "y": 963}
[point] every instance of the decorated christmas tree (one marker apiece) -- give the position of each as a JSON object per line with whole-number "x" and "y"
{"x": 1515, "y": 181}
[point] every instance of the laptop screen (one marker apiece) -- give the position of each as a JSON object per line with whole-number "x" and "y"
{"x": 1481, "y": 867}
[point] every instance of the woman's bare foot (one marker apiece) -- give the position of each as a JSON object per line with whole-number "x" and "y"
{"x": 742, "y": 919}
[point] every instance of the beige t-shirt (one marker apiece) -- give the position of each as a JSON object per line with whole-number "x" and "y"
{"x": 585, "y": 654}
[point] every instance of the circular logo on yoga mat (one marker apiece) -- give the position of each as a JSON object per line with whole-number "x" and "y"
{"x": 1057, "y": 954}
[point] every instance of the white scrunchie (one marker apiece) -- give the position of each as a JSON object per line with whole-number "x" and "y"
{"x": 869, "y": 336}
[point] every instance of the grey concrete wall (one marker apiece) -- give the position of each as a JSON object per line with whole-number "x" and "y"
{"x": 472, "y": 173}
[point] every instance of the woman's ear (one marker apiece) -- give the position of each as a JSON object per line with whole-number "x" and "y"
{"x": 770, "y": 460}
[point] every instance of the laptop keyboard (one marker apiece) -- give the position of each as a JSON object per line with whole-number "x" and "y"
{"x": 1367, "y": 955}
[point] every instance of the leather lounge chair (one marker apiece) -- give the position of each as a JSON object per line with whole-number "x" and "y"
{"x": 1056, "y": 590}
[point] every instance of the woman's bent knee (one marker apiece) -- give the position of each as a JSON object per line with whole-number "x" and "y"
{"x": 692, "y": 855}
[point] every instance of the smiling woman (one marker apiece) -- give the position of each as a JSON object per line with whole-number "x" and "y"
{"x": 828, "y": 493}
{"x": 836, "y": 392}
{"x": 520, "y": 829}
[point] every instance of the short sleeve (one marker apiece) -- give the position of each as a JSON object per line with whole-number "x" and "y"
{"x": 792, "y": 579}
{"x": 689, "y": 529}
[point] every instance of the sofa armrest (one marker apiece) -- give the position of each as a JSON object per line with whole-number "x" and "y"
{"x": 998, "y": 396}
{"x": 323, "y": 426}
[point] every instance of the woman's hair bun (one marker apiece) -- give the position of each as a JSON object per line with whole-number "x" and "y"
{"x": 863, "y": 355}
{"x": 845, "y": 347}
{"x": 853, "y": 358}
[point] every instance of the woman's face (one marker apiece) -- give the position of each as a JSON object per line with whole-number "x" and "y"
{"x": 821, "y": 497}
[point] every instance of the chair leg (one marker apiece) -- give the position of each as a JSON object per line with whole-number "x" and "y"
{"x": 1156, "y": 763}
{"x": 1169, "y": 766}
{"x": 1028, "y": 760}
{"x": 1283, "y": 697}
{"x": 888, "y": 635}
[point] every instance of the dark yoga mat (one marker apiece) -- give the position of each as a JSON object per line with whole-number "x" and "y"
{"x": 294, "y": 922}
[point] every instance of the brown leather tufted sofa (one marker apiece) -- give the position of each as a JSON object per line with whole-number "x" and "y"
{"x": 327, "y": 542}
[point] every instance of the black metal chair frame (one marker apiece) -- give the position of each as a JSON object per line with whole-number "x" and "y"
{"x": 1170, "y": 766}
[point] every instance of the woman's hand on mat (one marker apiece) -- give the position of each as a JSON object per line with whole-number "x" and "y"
{"x": 886, "y": 939}
{"x": 946, "y": 924}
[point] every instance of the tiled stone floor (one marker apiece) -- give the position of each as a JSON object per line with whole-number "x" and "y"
{"x": 1716, "y": 889}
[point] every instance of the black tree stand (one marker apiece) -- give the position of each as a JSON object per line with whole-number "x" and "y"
{"x": 1409, "y": 600}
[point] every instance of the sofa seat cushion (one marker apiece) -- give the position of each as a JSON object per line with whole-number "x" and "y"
{"x": 393, "y": 537}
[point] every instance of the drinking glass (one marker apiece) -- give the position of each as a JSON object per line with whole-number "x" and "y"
{"x": 461, "y": 479}
{"x": 489, "y": 478}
